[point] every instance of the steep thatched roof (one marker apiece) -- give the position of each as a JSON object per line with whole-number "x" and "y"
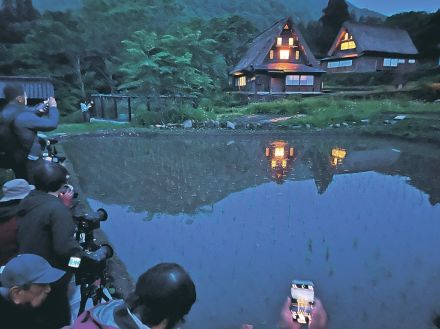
{"x": 259, "y": 47}
{"x": 376, "y": 38}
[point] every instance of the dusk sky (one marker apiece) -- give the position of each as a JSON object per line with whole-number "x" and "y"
{"x": 390, "y": 7}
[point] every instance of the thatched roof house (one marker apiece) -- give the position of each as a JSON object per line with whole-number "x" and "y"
{"x": 278, "y": 60}
{"x": 369, "y": 48}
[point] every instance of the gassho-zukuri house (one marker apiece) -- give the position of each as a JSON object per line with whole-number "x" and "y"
{"x": 278, "y": 61}
{"x": 370, "y": 48}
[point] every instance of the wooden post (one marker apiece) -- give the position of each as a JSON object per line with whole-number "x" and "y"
{"x": 115, "y": 107}
{"x": 102, "y": 107}
{"x": 129, "y": 109}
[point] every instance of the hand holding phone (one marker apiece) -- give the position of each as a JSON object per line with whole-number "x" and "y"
{"x": 303, "y": 299}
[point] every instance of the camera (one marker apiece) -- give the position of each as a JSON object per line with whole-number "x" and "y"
{"x": 50, "y": 152}
{"x": 91, "y": 267}
{"x": 86, "y": 223}
{"x": 303, "y": 299}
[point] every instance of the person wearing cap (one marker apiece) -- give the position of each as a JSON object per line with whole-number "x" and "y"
{"x": 13, "y": 192}
{"x": 25, "y": 283}
{"x": 163, "y": 296}
{"x": 25, "y": 123}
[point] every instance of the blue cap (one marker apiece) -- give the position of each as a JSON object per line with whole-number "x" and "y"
{"x": 28, "y": 269}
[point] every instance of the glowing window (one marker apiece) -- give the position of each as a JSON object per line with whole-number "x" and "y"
{"x": 344, "y": 63}
{"x": 297, "y": 54}
{"x": 284, "y": 54}
{"x": 279, "y": 151}
{"x": 240, "y": 82}
{"x": 290, "y": 41}
{"x": 390, "y": 62}
{"x": 346, "y": 45}
{"x": 299, "y": 80}
{"x": 292, "y": 80}
{"x": 279, "y": 41}
{"x": 271, "y": 54}
{"x": 411, "y": 61}
{"x": 346, "y": 36}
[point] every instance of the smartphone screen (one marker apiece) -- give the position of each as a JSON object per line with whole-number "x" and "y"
{"x": 303, "y": 298}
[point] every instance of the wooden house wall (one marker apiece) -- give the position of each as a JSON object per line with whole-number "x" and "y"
{"x": 368, "y": 63}
{"x": 276, "y": 83}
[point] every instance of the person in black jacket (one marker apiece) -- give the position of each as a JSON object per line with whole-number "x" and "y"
{"x": 25, "y": 123}
{"x": 46, "y": 228}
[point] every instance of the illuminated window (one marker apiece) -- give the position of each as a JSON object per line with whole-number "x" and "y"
{"x": 348, "y": 42}
{"x": 401, "y": 61}
{"x": 286, "y": 27}
{"x": 290, "y": 41}
{"x": 344, "y": 63}
{"x": 240, "y": 82}
{"x": 284, "y": 54}
{"x": 279, "y": 41}
{"x": 279, "y": 151}
{"x": 411, "y": 61}
{"x": 271, "y": 54}
{"x": 299, "y": 80}
{"x": 390, "y": 62}
{"x": 346, "y": 45}
{"x": 292, "y": 80}
{"x": 297, "y": 54}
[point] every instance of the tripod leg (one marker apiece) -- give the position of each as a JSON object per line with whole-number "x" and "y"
{"x": 84, "y": 296}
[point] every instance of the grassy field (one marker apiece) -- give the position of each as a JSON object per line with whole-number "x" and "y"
{"x": 367, "y": 103}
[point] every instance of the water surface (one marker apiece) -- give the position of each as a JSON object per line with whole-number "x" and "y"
{"x": 246, "y": 214}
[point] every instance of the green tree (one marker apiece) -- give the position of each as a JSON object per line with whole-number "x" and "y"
{"x": 154, "y": 64}
{"x": 334, "y": 15}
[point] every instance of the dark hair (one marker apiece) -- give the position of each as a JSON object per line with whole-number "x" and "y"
{"x": 11, "y": 92}
{"x": 165, "y": 291}
{"x": 49, "y": 176}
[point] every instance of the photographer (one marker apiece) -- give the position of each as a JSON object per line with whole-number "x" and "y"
{"x": 163, "y": 296}
{"x": 46, "y": 228}
{"x": 25, "y": 123}
{"x": 25, "y": 284}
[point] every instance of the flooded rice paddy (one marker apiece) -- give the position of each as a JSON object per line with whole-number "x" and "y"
{"x": 246, "y": 214}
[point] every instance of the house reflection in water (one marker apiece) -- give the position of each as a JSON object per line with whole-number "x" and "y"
{"x": 337, "y": 156}
{"x": 280, "y": 156}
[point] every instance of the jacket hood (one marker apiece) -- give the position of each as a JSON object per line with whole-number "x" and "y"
{"x": 8, "y": 210}
{"x": 33, "y": 200}
{"x": 115, "y": 314}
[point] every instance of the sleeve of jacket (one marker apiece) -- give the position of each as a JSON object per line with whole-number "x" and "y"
{"x": 30, "y": 120}
{"x": 63, "y": 230}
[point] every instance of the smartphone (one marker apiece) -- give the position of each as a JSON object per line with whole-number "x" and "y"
{"x": 303, "y": 298}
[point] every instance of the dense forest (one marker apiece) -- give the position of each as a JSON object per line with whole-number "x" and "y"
{"x": 164, "y": 47}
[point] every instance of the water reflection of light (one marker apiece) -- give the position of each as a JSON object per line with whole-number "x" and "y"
{"x": 338, "y": 155}
{"x": 279, "y": 154}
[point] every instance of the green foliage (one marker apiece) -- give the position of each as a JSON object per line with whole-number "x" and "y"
{"x": 423, "y": 28}
{"x": 322, "y": 111}
{"x": 172, "y": 114}
{"x": 167, "y": 64}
